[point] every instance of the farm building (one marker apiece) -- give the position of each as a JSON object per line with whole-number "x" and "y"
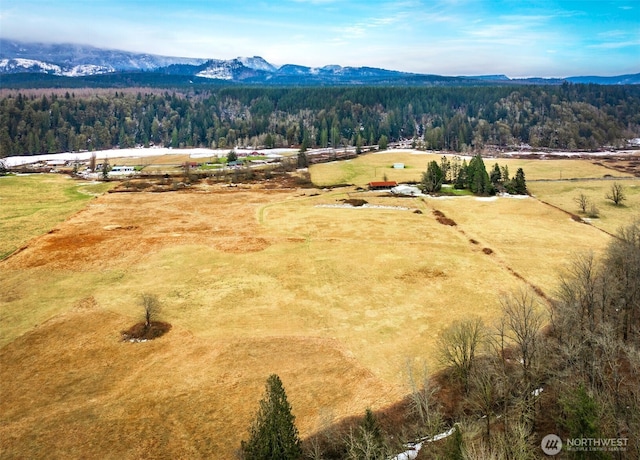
{"x": 122, "y": 171}
{"x": 382, "y": 185}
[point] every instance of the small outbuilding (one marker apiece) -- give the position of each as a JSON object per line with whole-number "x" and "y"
{"x": 398, "y": 166}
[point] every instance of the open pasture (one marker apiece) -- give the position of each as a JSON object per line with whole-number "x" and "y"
{"x": 373, "y": 167}
{"x": 32, "y": 205}
{"x": 334, "y": 299}
{"x": 610, "y": 217}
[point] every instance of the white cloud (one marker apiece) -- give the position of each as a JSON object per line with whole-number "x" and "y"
{"x": 615, "y": 45}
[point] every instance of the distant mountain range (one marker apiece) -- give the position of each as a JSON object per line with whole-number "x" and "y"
{"x": 37, "y": 64}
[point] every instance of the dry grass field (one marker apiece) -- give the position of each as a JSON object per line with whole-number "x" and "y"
{"x": 373, "y": 167}
{"x": 335, "y": 300}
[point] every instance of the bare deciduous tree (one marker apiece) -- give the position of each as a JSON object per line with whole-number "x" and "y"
{"x": 151, "y": 306}
{"x": 423, "y": 398}
{"x": 623, "y": 261}
{"x": 485, "y": 395}
{"x": 582, "y": 201}
{"x": 458, "y": 345}
{"x": 616, "y": 194}
{"x": 524, "y": 321}
{"x": 367, "y": 441}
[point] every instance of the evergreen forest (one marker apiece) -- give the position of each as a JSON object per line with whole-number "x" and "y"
{"x": 460, "y": 119}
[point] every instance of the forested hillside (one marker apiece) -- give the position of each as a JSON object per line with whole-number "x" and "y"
{"x": 460, "y": 119}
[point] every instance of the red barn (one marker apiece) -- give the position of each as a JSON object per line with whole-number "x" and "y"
{"x": 382, "y": 185}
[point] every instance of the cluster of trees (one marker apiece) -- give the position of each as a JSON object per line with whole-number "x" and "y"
{"x": 455, "y": 119}
{"x": 472, "y": 176}
{"x": 570, "y": 367}
{"x": 616, "y": 195}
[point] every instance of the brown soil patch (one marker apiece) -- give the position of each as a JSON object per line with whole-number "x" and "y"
{"x": 120, "y": 229}
{"x": 447, "y": 221}
{"x": 444, "y": 220}
{"x": 141, "y": 332}
{"x": 355, "y": 202}
{"x": 624, "y": 164}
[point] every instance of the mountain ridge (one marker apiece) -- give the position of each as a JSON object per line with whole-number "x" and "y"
{"x": 80, "y": 61}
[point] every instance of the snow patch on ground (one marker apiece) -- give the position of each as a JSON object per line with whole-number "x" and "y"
{"x": 136, "y": 152}
{"x": 570, "y": 154}
{"x": 414, "y": 448}
{"x": 537, "y": 392}
{"x": 365, "y": 206}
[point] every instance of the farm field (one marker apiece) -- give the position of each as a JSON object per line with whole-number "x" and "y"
{"x": 32, "y": 205}
{"x": 335, "y": 300}
{"x": 373, "y": 167}
{"x": 610, "y": 218}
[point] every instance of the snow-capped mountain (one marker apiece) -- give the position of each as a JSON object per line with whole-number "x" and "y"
{"x": 257, "y": 63}
{"x": 122, "y": 67}
{"x": 20, "y": 65}
{"x": 236, "y": 69}
{"x": 78, "y": 60}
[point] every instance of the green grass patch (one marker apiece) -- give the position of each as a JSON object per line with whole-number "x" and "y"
{"x": 33, "y": 205}
{"x": 452, "y": 191}
{"x": 208, "y": 167}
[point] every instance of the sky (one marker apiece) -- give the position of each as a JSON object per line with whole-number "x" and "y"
{"x": 518, "y": 38}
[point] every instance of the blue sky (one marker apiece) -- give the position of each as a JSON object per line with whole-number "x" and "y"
{"x": 519, "y": 38}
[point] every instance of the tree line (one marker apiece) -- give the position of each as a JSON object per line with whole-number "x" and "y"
{"x": 567, "y": 366}
{"x": 472, "y": 176}
{"x": 462, "y": 119}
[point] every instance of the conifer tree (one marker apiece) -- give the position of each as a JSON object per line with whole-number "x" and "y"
{"x": 461, "y": 178}
{"x": 383, "y": 143}
{"x": 496, "y": 175}
{"x": 432, "y": 179}
{"x": 367, "y": 442}
{"x": 520, "y": 185}
{"x": 477, "y": 177}
{"x": 273, "y": 434}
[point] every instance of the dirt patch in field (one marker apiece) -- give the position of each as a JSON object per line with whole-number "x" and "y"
{"x": 623, "y": 164}
{"x": 354, "y": 202}
{"x": 444, "y": 220}
{"x": 140, "y": 332}
{"x": 122, "y": 228}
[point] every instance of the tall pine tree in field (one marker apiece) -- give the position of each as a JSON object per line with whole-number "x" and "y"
{"x": 519, "y": 183}
{"x": 478, "y": 178}
{"x": 273, "y": 434}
